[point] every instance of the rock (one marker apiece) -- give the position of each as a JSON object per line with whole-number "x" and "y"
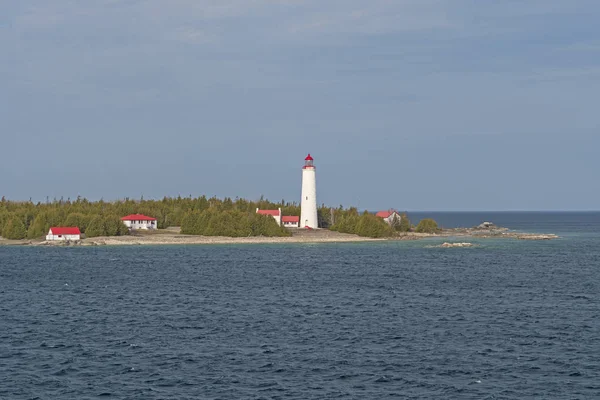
{"x": 537, "y": 237}
{"x": 486, "y": 225}
{"x": 447, "y": 245}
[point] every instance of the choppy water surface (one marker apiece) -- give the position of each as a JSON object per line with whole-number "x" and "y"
{"x": 506, "y": 319}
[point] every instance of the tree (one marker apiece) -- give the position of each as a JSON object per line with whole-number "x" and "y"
{"x": 14, "y": 229}
{"x": 372, "y": 226}
{"x": 230, "y": 223}
{"x": 4, "y": 217}
{"x": 345, "y": 223}
{"x": 96, "y": 227}
{"x": 324, "y": 216}
{"x": 78, "y": 220}
{"x": 39, "y": 227}
{"x": 404, "y": 225}
{"x": 113, "y": 226}
{"x": 265, "y": 225}
{"x": 427, "y": 225}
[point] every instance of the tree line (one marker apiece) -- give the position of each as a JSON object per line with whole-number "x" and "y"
{"x": 369, "y": 225}
{"x": 20, "y": 220}
{"x": 230, "y": 223}
{"x": 200, "y": 215}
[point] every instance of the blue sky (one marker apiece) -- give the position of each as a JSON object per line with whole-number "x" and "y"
{"x": 412, "y": 104}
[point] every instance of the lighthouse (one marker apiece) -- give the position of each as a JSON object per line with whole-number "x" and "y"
{"x": 308, "y": 205}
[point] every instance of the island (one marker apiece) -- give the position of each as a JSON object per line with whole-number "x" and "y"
{"x": 203, "y": 220}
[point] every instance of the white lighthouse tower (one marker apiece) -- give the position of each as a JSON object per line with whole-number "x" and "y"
{"x": 308, "y": 205}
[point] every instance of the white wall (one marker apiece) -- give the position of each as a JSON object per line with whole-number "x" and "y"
{"x": 141, "y": 224}
{"x": 63, "y": 237}
{"x": 390, "y": 219}
{"x": 308, "y": 204}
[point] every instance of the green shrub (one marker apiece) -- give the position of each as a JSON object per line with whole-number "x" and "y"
{"x": 367, "y": 225}
{"x": 427, "y": 225}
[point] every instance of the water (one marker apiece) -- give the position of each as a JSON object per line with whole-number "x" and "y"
{"x": 505, "y": 320}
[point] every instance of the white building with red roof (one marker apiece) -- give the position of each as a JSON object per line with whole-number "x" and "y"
{"x": 273, "y": 213}
{"x": 389, "y": 216}
{"x": 290, "y": 221}
{"x": 63, "y": 233}
{"x": 139, "y": 221}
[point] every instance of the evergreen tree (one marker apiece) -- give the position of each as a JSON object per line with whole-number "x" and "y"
{"x": 404, "y": 225}
{"x": 96, "y": 227}
{"x": 39, "y": 227}
{"x": 113, "y": 226}
{"x": 78, "y": 220}
{"x": 14, "y": 229}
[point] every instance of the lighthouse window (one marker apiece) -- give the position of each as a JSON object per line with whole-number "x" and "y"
{"x": 306, "y": 197}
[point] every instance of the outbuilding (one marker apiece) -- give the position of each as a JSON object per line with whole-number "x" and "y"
{"x": 139, "y": 221}
{"x": 64, "y": 233}
{"x": 290, "y": 221}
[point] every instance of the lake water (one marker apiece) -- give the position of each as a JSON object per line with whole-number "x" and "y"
{"x": 507, "y": 319}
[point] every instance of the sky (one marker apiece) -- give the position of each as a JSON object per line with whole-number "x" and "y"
{"x": 408, "y": 104}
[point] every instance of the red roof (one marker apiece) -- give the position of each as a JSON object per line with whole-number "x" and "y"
{"x": 309, "y": 158}
{"x": 137, "y": 217}
{"x": 64, "y": 231}
{"x": 290, "y": 218}
{"x": 384, "y": 214}
{"x": 274, "y": 213}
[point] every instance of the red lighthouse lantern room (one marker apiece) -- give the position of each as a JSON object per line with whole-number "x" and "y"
{"x": 309, "y": 162}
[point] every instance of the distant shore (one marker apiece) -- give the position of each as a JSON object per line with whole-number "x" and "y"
{"x": 173, "y": 237}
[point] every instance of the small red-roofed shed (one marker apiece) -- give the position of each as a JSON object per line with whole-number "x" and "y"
{"x": 63, "y": 233}
{"x": 290, "y": 221}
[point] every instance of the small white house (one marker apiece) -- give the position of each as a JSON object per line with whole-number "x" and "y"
{"x": 389, "y": 216}
{"x": 273, "y": 213}
{"x": 139, "y": 221}
{"x": 58, "y": 233}
{"x": 290, "y": 221}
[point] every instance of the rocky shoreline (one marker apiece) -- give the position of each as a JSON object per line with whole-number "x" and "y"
{"x": 173, "y": 237}
{"x": 496, "y": 233}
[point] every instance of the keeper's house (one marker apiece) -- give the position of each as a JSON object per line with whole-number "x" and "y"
{"x": 139, "y": 221}
{"x": 389, "y": 216}
{"x": 58, "y": 233}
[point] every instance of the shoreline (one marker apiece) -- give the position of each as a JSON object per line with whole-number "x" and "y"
{"x": 173, "y": 237}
